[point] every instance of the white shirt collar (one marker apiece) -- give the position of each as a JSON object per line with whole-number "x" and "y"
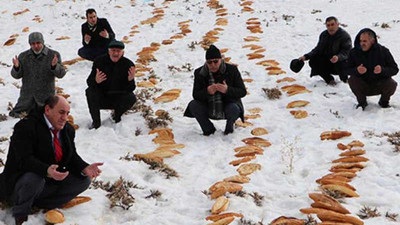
{"x": 48, "y": 122}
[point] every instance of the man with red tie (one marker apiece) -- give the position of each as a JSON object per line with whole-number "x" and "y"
{"x": 43, "y": 168}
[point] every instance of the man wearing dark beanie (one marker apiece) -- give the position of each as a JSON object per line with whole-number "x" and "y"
{"x": 217, "y": 92}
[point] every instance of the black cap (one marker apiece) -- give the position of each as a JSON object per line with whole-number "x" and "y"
{"x": 213, "y": 53}
{"x": 116, "y": 44}
{"x": 296, "y": 65}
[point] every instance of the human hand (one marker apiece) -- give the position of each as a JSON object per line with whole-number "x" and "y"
{"x": 100, "y": 76}
{"x": 104, "y": 33}
{"x": 15, "y": 62}
{"x": 212, "y": 89}
{"x": 377, "y": 69}
{"x": 302, "y": 58}
{"x": 93, "y": 170}
{"x": 131, "y": 73}
{"x": 87, "y": 38}
{"x": 361, "y": 69}
{"x": 334, "y": 59}
{"x": 53, "y": 173}
{"x": 54, "y": 61}
{"x": 223, "y": 88}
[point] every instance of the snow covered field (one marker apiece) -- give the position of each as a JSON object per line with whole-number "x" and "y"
{"x": 290, "y": 29}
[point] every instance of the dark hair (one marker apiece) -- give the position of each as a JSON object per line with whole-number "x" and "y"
{"x": 52, "y": 101}
{"x": 370, "y": 33}
{"x": 90, "y": 11}
{"x": 331, "y": 18}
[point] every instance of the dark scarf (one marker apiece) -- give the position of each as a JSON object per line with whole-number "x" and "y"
{"x": 92, "y": 28}
{"x": 215, "y": 103}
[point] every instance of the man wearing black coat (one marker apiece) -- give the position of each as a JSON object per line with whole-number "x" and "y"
{"x": 217, "y": 92}
{"x": 43, "y": 167}
{"x": 330, "y": 55}
{"x": 96, "y": 35}
{"x": 111, "y": 84}
{"x": 371, "y": 67}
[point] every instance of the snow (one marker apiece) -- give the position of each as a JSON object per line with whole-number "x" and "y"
{"x": 204, "y": 160}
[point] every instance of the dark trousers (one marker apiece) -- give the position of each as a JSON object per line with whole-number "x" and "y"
{"x": 322, "y": 66}
{"x": 362, "y": 89}
{"x": 91, "y": 53}
{"x": 97, "y": 100}
{"x": 200, "y": 111}
{"x": 32, "y": 189}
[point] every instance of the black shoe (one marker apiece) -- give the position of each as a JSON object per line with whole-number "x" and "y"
{"x": 95, "y": 125}
{"x": 20, "y": 219}
{"x": 208, "y": 133}
{"x": 116, "y": 119}
{"x": 362, "y": 105}
{"x": 332, "y": 83}
{"x": 384, "y": 104}
{"x": 228, "y": 129}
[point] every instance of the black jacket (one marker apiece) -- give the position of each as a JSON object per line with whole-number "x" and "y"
{"x": 31, "y": 150}
{"x": 117, "y": 75}
{"x": 377, "y": 55}
{"x": 232, "y": 77}
{"x": 97, "y": 40}
{"x": 341, "y": 45}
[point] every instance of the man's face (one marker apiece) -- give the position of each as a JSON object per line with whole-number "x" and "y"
{"x": 332, "y": 26}
{"x": 36, "y": 46}
{"x": 366, "y": 42}
{"x": 58, "y": 115}
{"x": 115, "y": 54}
{"x": 213, "y": 65}
{"x": 92, "y": 18}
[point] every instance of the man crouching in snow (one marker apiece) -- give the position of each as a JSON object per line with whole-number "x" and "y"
{"x": 43, "y": 168}
{"x": 371, "y": 67}
{"x": 217, "y": 90}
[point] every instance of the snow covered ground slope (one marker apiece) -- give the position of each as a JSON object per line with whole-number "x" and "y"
{"x": 290, "y": 29}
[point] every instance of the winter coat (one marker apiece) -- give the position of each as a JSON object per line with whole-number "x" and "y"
{"x": 231, "y": 75}
{"x": 116, "y": 73}
{"x": 376, "y": 55}
{"x": 97, "y": 40}
{"x": 341, "y": 45}
{"x": 31, "y": 150}
{"x": 38, "y": 76}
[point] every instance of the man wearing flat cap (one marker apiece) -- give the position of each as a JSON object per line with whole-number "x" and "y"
{"x": 38, "y": 67}
{"x": 330, "y": 55}
{"x": 96, "y": 35}
{"x": 111, "y": 84}
{"x": 217, "y": 92}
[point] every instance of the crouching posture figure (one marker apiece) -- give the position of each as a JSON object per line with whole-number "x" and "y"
{"x": 43, "y": 168}
{"x": 217, "y": 92}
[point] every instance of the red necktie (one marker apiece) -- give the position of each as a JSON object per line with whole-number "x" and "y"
{"x": 57, "y": 146}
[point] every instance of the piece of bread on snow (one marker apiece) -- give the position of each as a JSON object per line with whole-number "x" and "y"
{"x": 259, "y": 131}
{"x": 222, "y": 216}
{"x": 248, "y": 168}
{"x": 341, "y": 189}
{"x": 336, "y": 182}
{"x": 224, "y": 221}
{"x": 353, "y": 152}
{"x": 334, "y": 216}
{"x": 348, "y": 166}
{"x": 334, "y": 177}
{"x": 327, "y": 202}
{"x": 333, "y": 135}
{"x": 54, "y": 216}
{"x": 238, "y": 179}
{"x": 257, "y": 141}
{"x": 356, "y": 143}
{"x": 296, "y": 104}
{"x": 351, "y": 159}
{"x": 282, "y": 220}
{"x": 242, "y": 160}
{"x": 221, "y": 187}
{"x": 254, "y": 110}
{"x": 239, "y": 123}
{"x": 343, "y": 146}
{"x": 338, "y": 170}
{"x": 148, "y": 158}
{"x": 334, "y": 223}
{"x": 286, "y": 79}
{"x": 76, "y": 201}
{"x": 252, "y": 116}
{"x": 220, "y": 205}
{"x": 299, "y": 114}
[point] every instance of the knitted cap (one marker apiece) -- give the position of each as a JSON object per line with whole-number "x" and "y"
{"x": 116, "y": 44}
{"x": 36, "y": 37}
{"x": 296, "y": 65}
{"x": 213, "y": 53}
